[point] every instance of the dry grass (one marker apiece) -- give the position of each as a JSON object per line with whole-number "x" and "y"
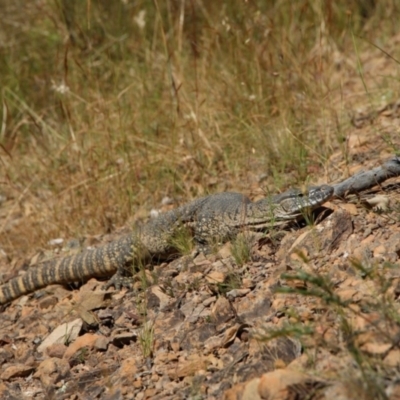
{"x": 107, "y": 107}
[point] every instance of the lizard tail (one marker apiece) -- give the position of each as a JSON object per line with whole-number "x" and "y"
{"x": 103, "y": 261}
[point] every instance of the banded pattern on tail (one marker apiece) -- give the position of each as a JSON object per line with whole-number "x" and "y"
{"x": 95, "y": 263}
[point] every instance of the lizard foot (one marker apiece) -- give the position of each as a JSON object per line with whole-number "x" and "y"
{"x": 119, "y": 281}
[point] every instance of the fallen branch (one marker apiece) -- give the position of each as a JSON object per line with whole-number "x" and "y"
{"x": 367, "y": 179}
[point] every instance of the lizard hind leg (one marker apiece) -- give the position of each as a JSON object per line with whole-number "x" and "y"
{"x": 128, "y": 266}
{"x": 119, "y": 280}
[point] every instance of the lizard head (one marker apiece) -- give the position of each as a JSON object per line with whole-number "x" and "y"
{"x": 294, "y": 202}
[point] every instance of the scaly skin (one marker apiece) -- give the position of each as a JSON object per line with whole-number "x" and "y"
{"x": 215, "y": 217}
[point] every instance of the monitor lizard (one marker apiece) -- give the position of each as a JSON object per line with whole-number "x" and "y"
{"x": 218, "y": 217}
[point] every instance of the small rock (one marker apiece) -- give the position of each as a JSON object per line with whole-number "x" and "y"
{"x": 56, "y": 350}
{"x": 279, "y": 384}
{"x": 52, "y": 370}
{"x": 248, "y": 283}
{"x": 393, "y": 392}
{"x": 167, "y": 201}
{"x": 49, "y": 301}
{"x": 63, "y": 333}
{"x": 362, "y": 253}
{"x": 251, "y": 390}
{"x": 88, "y": 340}
{"x": 101, "y": 343}
{"x": 200, "y": 259}
{"x": 225, "y": 251}
{"x": 216, "y": 277}
{"x": 124, "y": 339}
{"x": 209, "y": 301}
{"x": 380, "y": 251}
{"x": 128, "y": 369}
{"x": 55, "y": 242}
{"x": 237, "y": 293}
{"x": 154, "y": 213}
{"x": 222, "y": 311}
{"x": 393, "y": 358}
{"x": 17, "y": 371}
